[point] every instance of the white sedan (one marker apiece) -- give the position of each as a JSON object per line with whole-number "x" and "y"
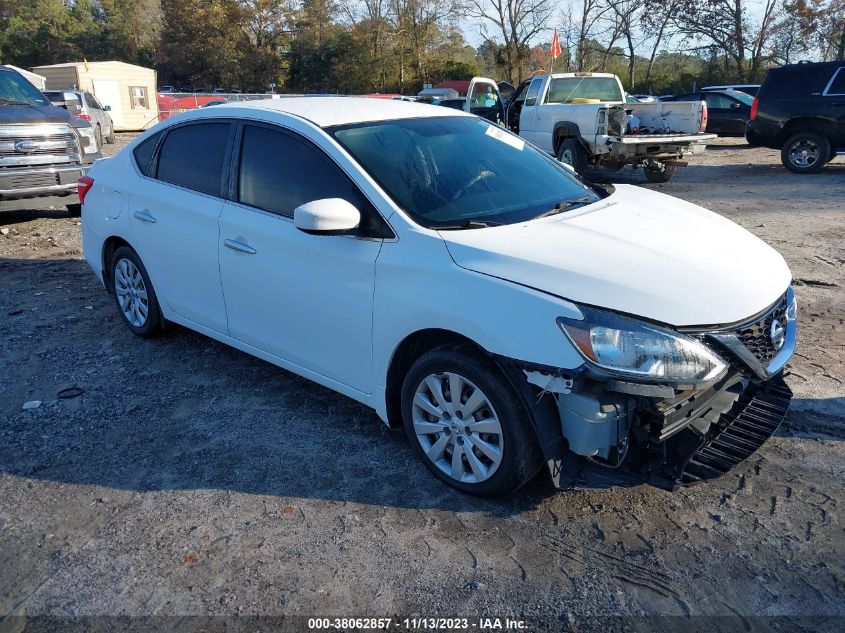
{"x": 458, "y": 281}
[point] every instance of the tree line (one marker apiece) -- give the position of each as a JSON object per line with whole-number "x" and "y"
{"x": 362, "y": 46}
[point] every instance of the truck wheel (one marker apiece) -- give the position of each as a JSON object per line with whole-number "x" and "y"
{"x": 572, "y": 153}
{"x": 659, "y": 172}
{"x": 74, "y": 210}
{"x": 805, "y": 153}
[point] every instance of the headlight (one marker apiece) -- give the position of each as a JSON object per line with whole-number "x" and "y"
{"x": 89, "y": 144}
{"x": 636, "y": 349}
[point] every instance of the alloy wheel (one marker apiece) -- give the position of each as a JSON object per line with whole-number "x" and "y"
{"x": 457, "y": 427}
{"x": 804, "y": 153}
{"x": 131, "y": 292}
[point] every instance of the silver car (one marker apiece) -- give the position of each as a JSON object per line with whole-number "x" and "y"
{"x": 85, "y": 105}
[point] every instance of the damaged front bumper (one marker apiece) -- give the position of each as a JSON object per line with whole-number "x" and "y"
{"x": 600, "y": 431}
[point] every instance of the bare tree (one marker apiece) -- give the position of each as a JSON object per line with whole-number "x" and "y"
{"x": 726, "y": 24}
{"x": 516, "y": 22}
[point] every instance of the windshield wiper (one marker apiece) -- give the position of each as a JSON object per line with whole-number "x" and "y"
{"x": 564, "y": 205}
{"x": 469, "y": 224}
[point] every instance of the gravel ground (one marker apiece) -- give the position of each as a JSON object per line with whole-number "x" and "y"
{"x": 189, "y": 478}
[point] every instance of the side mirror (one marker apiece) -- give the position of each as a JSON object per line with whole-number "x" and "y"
{"x": 107, "y": 108}
{"x": 329, "y": 216}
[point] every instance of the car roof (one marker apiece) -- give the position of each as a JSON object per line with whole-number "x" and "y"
{"x": 329, "y": 111}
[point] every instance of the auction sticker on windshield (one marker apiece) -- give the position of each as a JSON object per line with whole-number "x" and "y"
{"x": 509, "y": 139}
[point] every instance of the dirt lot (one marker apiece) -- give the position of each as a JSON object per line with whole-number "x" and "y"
{"x": 189, "y": 478}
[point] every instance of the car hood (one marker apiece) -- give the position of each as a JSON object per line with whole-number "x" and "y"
{"x": 28, "y": 114}
{"x": 639, "y": 252}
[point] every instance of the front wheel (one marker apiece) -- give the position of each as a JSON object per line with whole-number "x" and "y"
{"x": 659, "y": 172}
{"x": 805, "y": 153}
{"x": 98, "y": 134}
{"x": 134, "y": 294}
{"x": 466, "y": 423}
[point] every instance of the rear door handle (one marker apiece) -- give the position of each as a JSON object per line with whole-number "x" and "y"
{"x": 145, "y": 216}
{"x": 239, "y": 246}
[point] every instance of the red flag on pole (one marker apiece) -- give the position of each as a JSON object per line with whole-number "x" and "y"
{"x": 555, "y": 46}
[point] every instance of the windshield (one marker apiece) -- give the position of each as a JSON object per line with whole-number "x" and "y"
{"x": 565, "y": 89}
{"x": 461, "y": 172}
{"x": 16, "y": 90}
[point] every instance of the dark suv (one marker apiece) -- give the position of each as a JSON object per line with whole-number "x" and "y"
{"x": 800, "y": 110}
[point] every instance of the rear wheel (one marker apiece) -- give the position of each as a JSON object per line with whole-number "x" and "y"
{"x": 134, "y": 294}
{"x": 573, "y": 154}
{"x": 466, "y": 423}
{"x": 805, "y": 153}
{"x": 658, "y": 172}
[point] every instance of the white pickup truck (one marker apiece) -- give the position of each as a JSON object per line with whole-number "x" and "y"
{"x": 583, "y": 119}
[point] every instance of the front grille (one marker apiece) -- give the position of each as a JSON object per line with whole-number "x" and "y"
{"x": 751, "y": 421}
{"x": 29, "y": 181}
{"x": 55, "y": 144}
{"x": 756, "y": 336}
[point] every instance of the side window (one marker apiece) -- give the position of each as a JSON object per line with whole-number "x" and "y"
{"x": 91, "y": 102}
{"x": 144, "y": 153}
{"x": 192, "y": 156}
{"x": 717, "y": 101}
{"x": 837, "y": 83}
{"x": 483, "y": 95}
{"x": 279, "y": 172}
{"x": 533, "y": 92}
{"x": 693, "y": 97}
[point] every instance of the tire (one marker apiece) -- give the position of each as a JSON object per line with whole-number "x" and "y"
{"x": 805, "y": 153}
{"x": 503, "y": 454}
{"x": 659, "y": 173}
{"x": 572, "y": 153}
{"x": 146, "y": 319}
{"x": 74, "y": 210}
{"x": 98, "y": 135}
{"x": 110, "y": 138}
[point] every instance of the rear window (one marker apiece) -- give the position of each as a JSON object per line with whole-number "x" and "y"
{"x": 144, "y": 153}
{"x": 565, "y": 89}
{"x": 192, "y": 156}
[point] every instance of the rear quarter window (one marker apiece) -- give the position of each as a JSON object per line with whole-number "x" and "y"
{"x": 144, "y": 153}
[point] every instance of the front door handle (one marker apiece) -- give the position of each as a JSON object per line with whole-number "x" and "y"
{"x": 145, "y": 216}
{"x": 239, "y": 246}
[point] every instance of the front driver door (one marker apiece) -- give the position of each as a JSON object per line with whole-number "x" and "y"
{"x": 306, "y": 299}
{"x": 484, "y": 100}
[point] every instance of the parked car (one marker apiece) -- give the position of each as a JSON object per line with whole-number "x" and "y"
{"x": 85, "y": 105}
{"x": 165, "y": 89}
{"x": 749, "y": 89}
{"x": 583, "y": 119}
{"x": 464, "y": 284}
{"x": 44, "y": 150}
{"x": 800, "y": 110}
{"x": 728, "y": 111}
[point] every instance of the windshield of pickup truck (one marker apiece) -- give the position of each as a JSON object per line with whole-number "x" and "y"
{"x": 15, "y": 90}
{"x": 461, "y": 172}
{"x": 565, "y": 89}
